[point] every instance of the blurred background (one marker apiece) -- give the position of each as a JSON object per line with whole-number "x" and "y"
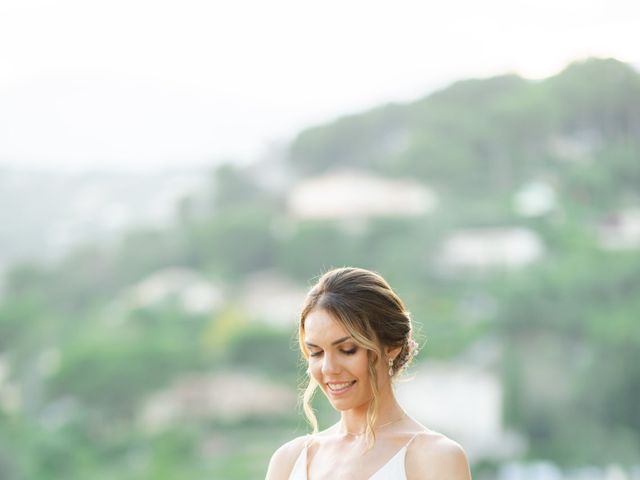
{"x": 175, "y": 175}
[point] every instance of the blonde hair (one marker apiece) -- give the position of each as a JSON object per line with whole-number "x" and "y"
{"x": 371, "y": 312}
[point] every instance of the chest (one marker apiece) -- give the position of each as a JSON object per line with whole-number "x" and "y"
{"x": 344, "y": 463}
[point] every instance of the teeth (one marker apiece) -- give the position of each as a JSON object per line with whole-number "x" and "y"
{"x": 339, "y": 386}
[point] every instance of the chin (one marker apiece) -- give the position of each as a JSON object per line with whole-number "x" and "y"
{"x": 341, "y": 405}
{"x": 344, "y": 404}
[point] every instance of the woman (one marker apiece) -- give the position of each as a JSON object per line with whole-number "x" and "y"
{"x": 355, "y": 334}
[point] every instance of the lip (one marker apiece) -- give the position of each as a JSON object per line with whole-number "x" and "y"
{"x": 342, "y": 391}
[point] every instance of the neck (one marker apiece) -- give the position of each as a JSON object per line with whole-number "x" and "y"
{"x": 354, "y": 421}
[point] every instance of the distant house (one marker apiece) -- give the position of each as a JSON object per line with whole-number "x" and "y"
{"x": 463, "y": 401}
{"x": 575, "y": 147}
{"x": 509, "y": 247}
{"x": 229, "y": 395}
{"x": 534, "y": 199}
{"x": 182, "y": 286}
{"x": 270, "y": 297}
{"x": 620, "y": 230}
{"x": 344, "y": 195}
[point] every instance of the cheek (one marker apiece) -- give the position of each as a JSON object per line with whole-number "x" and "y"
{"x": 315, "y": 370}
{"x": 360, "y": 365}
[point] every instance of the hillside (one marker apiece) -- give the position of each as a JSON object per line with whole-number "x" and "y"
{"x": 504, "y": 212}
{"x": 493, "y": 134}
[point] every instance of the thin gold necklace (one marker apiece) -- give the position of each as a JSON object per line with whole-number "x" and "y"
{"x": 378, "y": 427}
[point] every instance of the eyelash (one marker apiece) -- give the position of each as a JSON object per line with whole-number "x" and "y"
{"x": 346, "y": 352}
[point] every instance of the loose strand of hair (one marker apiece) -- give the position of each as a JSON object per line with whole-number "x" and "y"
{"x": 306, "y": 404}
{"x": 372, "y": 410}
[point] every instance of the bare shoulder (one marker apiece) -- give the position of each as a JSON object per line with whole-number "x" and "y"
{"x": 432, "y": 455}
{"x": 284, "y": 458}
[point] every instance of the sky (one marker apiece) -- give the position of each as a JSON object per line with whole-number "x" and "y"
{"x": 148, "y": 84}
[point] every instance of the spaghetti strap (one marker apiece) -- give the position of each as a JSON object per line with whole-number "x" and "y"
{"x": 406, "y": 445}
{"x": 299, "y": 471}
{"x": 307, "y": 441}
{"x": 393, "y": 469}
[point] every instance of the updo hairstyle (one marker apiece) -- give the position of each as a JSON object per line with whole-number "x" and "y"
{"x": 371, "y": 312}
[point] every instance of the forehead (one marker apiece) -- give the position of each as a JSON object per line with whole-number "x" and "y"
{"x": 321, "y": 326}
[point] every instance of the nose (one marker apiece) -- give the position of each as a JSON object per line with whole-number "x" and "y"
{"x": 330, "y": 365}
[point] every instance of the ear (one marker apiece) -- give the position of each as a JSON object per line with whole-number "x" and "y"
{"x": 391, "y": 352}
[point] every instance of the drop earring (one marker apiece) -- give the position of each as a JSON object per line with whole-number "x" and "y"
{"x": 390, "y": 367}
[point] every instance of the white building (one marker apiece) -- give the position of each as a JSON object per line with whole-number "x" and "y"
{"x": 509, "y": 247}
{"x": 621, "y": 230}
{"x": 270, "y": 297}
{"x": 462, "y": 401}
{"x": 534, "y": 199}
{"x": 578, "y": 146}
{"x": 345, "y": 195}
{"x": 229, "y": 395}
{"x": 186, "y": 287}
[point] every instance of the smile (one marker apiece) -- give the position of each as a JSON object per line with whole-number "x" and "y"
{"x": 339, "y": 388}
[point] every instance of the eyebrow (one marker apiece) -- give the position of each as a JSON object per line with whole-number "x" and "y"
{"x": 336, "y": 342}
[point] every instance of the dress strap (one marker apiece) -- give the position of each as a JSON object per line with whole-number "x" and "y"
{"x": 299, "y": 471}
{"x": 406, "y": 445}
{"x": 307, "y": 441}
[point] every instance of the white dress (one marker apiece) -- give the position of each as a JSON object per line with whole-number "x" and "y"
{"x": 392, "y": 470}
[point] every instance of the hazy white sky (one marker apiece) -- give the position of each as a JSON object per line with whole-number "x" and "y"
{"x": 137, "y": 84}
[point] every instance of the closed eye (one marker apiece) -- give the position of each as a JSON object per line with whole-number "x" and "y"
{"x": 350, "y": 351}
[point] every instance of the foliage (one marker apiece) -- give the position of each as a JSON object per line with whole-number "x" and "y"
{"x": 84, "y": 359}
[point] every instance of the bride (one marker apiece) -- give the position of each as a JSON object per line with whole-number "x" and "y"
{"x": 355, "y": 334}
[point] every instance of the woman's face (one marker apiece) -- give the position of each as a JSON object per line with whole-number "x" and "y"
{"x": 336, "y": 362}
